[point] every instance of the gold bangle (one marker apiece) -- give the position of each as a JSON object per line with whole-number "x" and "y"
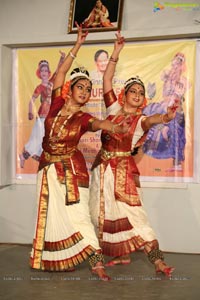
{"x": 72, "y": 55}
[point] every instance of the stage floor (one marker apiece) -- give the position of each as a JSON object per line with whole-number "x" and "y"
{"x": 137, "y": 281}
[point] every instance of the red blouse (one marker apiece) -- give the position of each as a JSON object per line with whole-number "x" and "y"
{"x": 60, "y": 145}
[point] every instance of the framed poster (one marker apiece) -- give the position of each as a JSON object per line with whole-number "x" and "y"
{"x": 97, "y": 15}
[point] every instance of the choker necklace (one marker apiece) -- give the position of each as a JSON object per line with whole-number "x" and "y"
{"x": 126, "y": 113}
{"x": 70, "y": 109}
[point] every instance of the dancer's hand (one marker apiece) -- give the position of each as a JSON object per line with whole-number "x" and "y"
{"x": 81, "y": 37}
{"x": 62, "y": 56}
{"x": 120, "y": 41}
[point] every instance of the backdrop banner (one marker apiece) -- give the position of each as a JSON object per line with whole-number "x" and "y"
{"x": 168, "y": 71}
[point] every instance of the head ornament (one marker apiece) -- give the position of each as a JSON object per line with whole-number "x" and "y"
{"x": 128, "y": 83}
{"x": 79, "y": 72}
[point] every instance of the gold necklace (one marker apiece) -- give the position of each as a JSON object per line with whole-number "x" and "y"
{"x": 122, "y": 113}
{"x": 126, "y": 113}
{"x": 71, "y": 110}
{"x": 57, "y": 136}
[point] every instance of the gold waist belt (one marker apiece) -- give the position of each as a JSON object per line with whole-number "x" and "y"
{"x": 108, "y": 155}
{"x": 57, "y": 158}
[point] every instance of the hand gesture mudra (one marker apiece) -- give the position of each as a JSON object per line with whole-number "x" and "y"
{"x": 120, "y": 41}
{"x": 81, "y": 34}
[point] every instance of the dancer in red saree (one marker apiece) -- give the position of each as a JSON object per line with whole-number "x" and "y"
{"x": 64, "y": 234}
{"x": 115, "y": 194}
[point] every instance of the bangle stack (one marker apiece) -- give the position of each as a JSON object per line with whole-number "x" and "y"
{"x": 113, "y": 60}
{"x": 72, "y": 55}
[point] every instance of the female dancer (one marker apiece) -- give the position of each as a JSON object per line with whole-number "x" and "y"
{"x": 115, "y": 199}
{"x": 64, "y": 235}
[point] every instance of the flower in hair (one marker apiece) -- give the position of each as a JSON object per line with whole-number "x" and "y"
{"x": 121, "y": 97}
{"x": 83, "y": 70}
{"x": 66, "y": 90}
{"x": 121, "y": 100}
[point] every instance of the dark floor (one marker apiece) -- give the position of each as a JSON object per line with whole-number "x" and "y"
{"x": 136, "y": 281}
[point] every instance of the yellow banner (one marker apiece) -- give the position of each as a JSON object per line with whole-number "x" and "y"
{"x": 166, "y": 68}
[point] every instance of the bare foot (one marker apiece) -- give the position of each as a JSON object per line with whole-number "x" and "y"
{"x": 119, "y": 260}
{"x": 99, "y": 270}
{"x": 161, "y": 267}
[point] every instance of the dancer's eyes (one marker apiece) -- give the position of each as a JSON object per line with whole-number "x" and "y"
{"x": 83, "y": 88}
{"x": 135, "y": 92}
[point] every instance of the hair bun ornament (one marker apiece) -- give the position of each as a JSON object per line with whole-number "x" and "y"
{"x": 79, "y": 72}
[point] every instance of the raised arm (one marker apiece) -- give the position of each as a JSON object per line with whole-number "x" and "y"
{"x": 110, "y": 69}
{"x": 61, "y": 60}
{"x": 66, "y": 65}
